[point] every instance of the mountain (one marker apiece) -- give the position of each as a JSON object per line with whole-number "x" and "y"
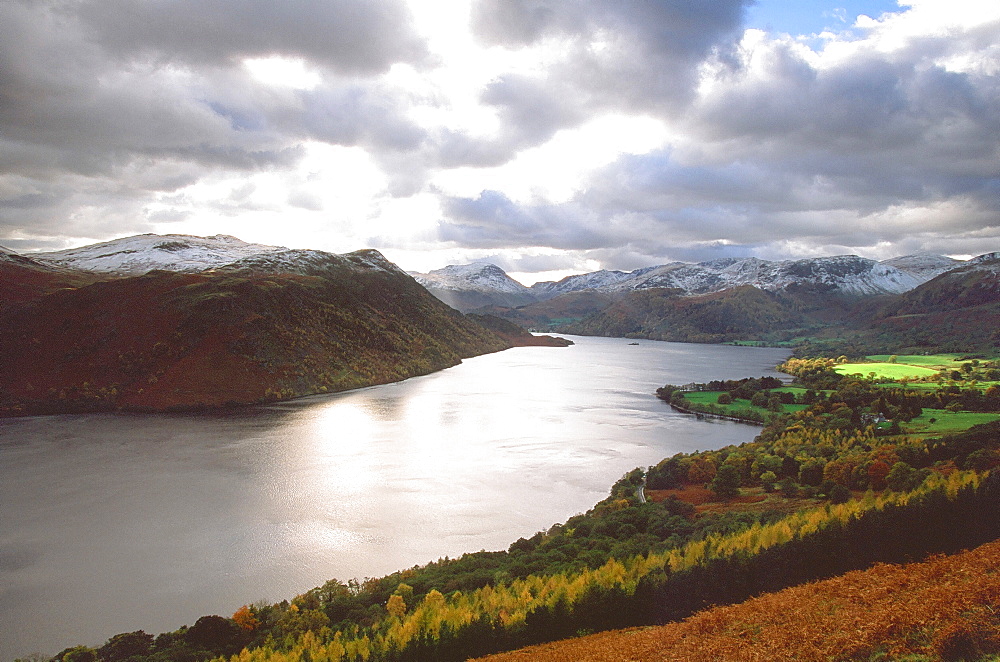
{"x": 468, "y": 287}
{"x": 738, "y": 313}
{"x": 471, "y": 286}
{"x": 267, "y": 326}
{"x": 845, "y": 274}
{"x": 954, "y": 311}
{"x": 923, "y": 265}
{"x": 23, "y": 278}
{"x": 595, "y": 280}
{"x": 134, "y": 256}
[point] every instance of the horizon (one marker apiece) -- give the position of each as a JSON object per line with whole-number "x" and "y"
{"x": 518, "y": 277}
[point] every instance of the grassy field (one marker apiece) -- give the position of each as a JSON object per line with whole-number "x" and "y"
{"x": 712, "y": 398}
{"x": 947, "y": 422}
{"x": 936, "y": 361}
{"x": 885, "y": 370}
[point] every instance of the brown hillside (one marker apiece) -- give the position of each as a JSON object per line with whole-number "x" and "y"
{"x": 946, "y": 608}
{"x": 168, "y": 340}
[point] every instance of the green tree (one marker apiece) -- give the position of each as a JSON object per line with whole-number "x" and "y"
{"x": 900, "y": 477}
{"x": 839, "y": 494}
{"x": 125, "y": 645}
{"x": 724, "y": 399}
{"x": 726, "y": 483}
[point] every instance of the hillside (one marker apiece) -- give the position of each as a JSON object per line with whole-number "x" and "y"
{"x": 250, "y": 331}
{"x": 943, "y": 608}
{"x": 955, "y": 311}
{"x": 665, "y": 314}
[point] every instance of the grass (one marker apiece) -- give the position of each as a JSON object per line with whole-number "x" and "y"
{"x": 712, "y": 398}
{"x": 885, "y": 370}
{"x": 937, "y": 361}
{"x": 947, "y": 422}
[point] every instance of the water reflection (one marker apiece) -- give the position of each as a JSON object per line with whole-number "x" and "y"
{"x": 118, "y": 523}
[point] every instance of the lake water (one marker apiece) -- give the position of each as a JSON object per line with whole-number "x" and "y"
{"x": 118, "y": 522}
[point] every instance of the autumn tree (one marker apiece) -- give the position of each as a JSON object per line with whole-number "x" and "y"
{"x": 246, "y": 619}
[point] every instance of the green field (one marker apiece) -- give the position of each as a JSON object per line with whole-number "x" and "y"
{"x": 937, "y": 361}
{"x": 947, "y": 422}
{"x": 885, "y": 370}
{"x": 712, "y": 398}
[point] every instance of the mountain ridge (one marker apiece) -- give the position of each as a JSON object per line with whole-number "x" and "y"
{"x": 270, "y": 325}
{"x": 478, "y": 285}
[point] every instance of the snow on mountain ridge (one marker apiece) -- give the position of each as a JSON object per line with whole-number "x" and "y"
{"x": 476, "y": 277}
{"x": 923, "y": 265}
{"x": 310, "y": 262}
{"x": 133, "y": 256}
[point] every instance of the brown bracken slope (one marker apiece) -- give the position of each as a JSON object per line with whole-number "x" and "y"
{"x": 169, "y": 340}
{"x": 946, "y": 608}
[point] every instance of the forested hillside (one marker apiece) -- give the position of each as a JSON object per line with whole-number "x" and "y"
{"x": 941, "y": 609}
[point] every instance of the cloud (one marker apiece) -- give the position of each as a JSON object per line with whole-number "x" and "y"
{"x": 347, "y": 36}
{"x": 105, "y": 105}
{"x": 545, "y": 133}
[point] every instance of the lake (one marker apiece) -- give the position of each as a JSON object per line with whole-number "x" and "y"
{"x": 119, "y": 522}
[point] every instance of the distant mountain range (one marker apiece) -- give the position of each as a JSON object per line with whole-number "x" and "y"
{"x": 472, "y": 286}
{"x": 178, "y": 322}
{"x": 855, "y": 300}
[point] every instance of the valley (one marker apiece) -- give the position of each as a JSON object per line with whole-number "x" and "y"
{"x": 888, "y": 422}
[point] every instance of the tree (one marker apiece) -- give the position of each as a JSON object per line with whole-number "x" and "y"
{"x": 396, "y": 606}
{"x": 125, "y": 645}
{"x": 789, "y": 488}
{"x": 77, "y": 654}
{"x": 900, "y": 477}
{"x": 877, "y": 473}
{"x": 839, "y": 494}
{"x": 215, "y": 634}
{"x": 726, "y": 483}
{"x": 246, "y": 619}
{"x": 725, "y": 399}
{"x": 701, "y": 470}
{"x": 767, "y": 480}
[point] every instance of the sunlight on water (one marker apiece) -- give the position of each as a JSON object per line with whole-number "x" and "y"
{"x": 115, "y": 523}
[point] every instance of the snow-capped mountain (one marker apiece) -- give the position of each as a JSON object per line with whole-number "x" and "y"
{"x": 594, "y": 280}
{"x": 470, "y": 286}
{"x": 133, "y": 256}
{"x": 309, "y": 262}
{"x": 923, "y": 265}
{"x": 847, "y": 274}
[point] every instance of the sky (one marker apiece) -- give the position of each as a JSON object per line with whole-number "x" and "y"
{"x": 546, "y": 136}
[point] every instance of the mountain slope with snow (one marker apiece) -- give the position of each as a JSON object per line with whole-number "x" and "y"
{"x": 134, "y": 256}
{"x": 923, "y": 265}
{"x": 265, "y": 327}
{"x": 470, "y": 286}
